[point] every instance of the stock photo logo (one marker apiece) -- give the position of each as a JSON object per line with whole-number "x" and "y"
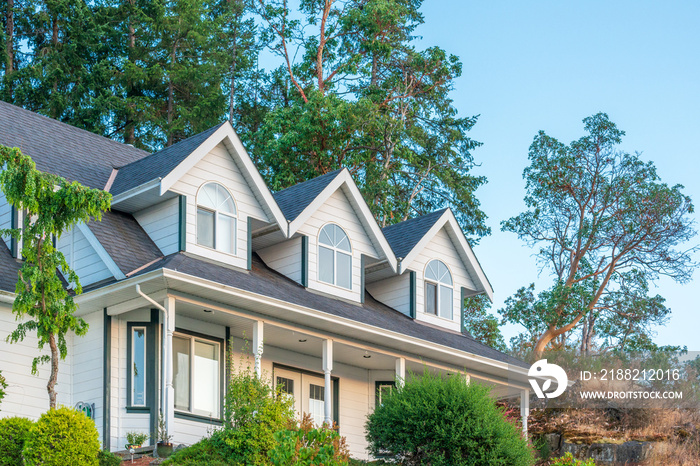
{"x": 541, "y": 369}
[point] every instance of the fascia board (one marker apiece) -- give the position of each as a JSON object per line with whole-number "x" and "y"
{"x": 465, "y": 250}
{"x": 226, "y": 132}
{"x": 338, "y": 321}
{"x": 135, "y": 191}
{"x": 344, "y": 178}
{"x": 101, "y": 251}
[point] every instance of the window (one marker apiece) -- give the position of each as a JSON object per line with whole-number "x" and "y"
{"x": 138, "y": 366}
{"x": 216, "y": 218}
{"x": 316, "y": 404}
{"x": 334, "y": 257}
{"x": 382, "y": 389}
{"x": 197, "y": 375}
{"x": 438, "y": 289}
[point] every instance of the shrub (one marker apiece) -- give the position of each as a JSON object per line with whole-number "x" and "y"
{"x": 202, "y": 453}
{"x": 444, "y": 421}
{"x": 569, "y": 460}
{"x": 3, "y": 386}
{"x": 106, "y": 458}
{"x": 62, "y": 436}
{"x": 253, "y": 412}
{"x": 14, "y": 431}
{"x": 136, "y": 438}
{"x": 305, "y": 445}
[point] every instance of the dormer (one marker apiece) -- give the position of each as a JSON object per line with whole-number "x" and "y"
{"x": 333, "y": 237}
{"x": 437, "y": 269}
{"x": 202, "y": 195}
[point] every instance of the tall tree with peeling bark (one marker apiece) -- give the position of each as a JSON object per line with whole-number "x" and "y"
{"x": 357, "y": 93}
{"x": 599, "y": 217}
{"x": 50, "y": 206}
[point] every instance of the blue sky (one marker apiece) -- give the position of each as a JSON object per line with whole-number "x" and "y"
{"x": 547, "y": 65}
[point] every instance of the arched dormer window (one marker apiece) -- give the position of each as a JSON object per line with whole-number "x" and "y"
{"x": 216, "y": 218}
{"x": 438, "y": 289}
{"x": 334, "y": 256}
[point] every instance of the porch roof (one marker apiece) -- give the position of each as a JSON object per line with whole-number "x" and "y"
{"x": 266, "y": 282}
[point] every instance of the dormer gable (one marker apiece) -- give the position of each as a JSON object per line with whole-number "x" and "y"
{"x": 333, "y": 236}
{"x": 437, "y": 270}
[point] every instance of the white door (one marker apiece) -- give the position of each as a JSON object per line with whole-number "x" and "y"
{"x": 307, "y": 390}
{"x": 289, "y": 383}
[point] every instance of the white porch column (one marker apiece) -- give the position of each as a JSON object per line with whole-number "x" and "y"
{"x": 467, "y": 378}
{"x": 400, "y": 371}
{"x": 327, "y": 368}
{"x": 525, "y": 408}
{"x": 258, "y": 346}
{"x": 169, "y": 327}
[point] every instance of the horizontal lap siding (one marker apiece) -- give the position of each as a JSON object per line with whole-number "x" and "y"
{"x": 442, "y": 248}
{"x": 26, "y": 394}
{"x": 162, "y": 223}
{"x": 88, "y": 367}
{"x": 218, "y": 166}
{"x": 189, "y": 432}
{"x": 82, "y": 257}
{"x": 337, "y": 209}
{"x": 393, "y": 291}
{"x": 285, "y": 258}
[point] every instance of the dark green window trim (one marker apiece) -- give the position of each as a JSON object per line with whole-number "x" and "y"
{"x": 463, "y": 296}
{"x": 222, "y": 372}
{"x": 305, "y": 261}
{"x": 138, "y": 409}
{"x": 14, "y": 244}
{"x": 198, "y": 418}
{"x": 412, "y": 294}
{"x": 151, "y": 369}
{"x": 362, "y": 278}
{"x": 335, "y": 386}
{"x": 249, "y": 242}
{"x": 182, "y": 228}
{"x": 107, "y": 380}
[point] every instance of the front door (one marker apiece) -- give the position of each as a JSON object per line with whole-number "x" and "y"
{"x": 308, "y": 391}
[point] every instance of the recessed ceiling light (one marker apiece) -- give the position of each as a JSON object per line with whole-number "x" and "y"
{"x": 302, "y": 340}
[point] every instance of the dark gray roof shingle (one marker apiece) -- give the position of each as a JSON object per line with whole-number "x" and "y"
{"x": 159, "y": 164}
{"x": 404, "y": 236}
{"x": 293, "y": 200}
{"x": 125, "y": 241}
{"x": 61, "y": 149}
{"x": 265, "y": 281}
{"x": 8, "y": 269}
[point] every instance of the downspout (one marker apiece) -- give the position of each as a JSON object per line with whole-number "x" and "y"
{"x": 164, "y": 351}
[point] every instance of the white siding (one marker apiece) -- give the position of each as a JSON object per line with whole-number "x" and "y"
{"x": 441, "y": 247}
{"x": 26, "y": 394}
{"x": 5, "y": 216}
{"x": 393, "y": 291}
{"x": 337, "y": 209}
{"x": 220, "y": 167}
{"x": 284, "y": 257}
{"x": 87, "y": 367}
{"x": 162, "y": 223}
{"x": 82, "y": 257}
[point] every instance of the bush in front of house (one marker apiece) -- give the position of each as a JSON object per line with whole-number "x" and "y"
{"x": 62, "y": 437}
{"x": 202, "y": 453}
{"x": 14, "y": 431}
{"x": 444, "y": 421}
{"x": 106, "y": 458}
{"x": 306, "y": 445}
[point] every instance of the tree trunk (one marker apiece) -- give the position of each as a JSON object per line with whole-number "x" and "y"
{"x": 130, "y": 129}
{"x": 51, "y": 385}
{"x": 9, "y": 43}
{"x": 171, "y": 97}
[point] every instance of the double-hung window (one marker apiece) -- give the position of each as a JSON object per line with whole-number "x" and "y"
{"x": 438, "y": 289}
{"x": 334, "y": 257}
{"x": 216, "y": 218}
{"x": 197, "y": 375}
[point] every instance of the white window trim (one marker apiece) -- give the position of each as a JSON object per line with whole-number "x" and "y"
{"x": 335, "y": 251}
{"x": 192, "y": 338}
{"x": 216, "y": 213}
{"x": 145, "y": 368}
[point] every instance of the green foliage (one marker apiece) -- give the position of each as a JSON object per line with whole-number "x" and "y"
{"x": 443, "y": 421}
{"x": 3, "y": 386}
{"x": 305, "y": 445}
{"x": 106, "y": 458}
{"x": 62, "y": 436}
{"x": 51, "y": 205}
{"x": 253, "y": 412}
{"x": 202, "y": 453}
{"x": 569, "y": 460}
{"x": 136, "y": 438}
{"x": 480, "y": 324}
{"x": 604, "y": 225}
{"x": 14, "y": 432}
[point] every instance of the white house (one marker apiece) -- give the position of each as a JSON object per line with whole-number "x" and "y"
{"x": 198, "y": 254}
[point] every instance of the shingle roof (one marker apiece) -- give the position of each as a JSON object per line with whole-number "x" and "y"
{"x": 61, "y": 149}
{"x": 158, "y": 164}
{"x": 8, "y": 269}
{"x": 293, "y": 200}
{"x": 125, "y": 241}
{"x": 404, "y": 236}
{"x": 265, "y": 281}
